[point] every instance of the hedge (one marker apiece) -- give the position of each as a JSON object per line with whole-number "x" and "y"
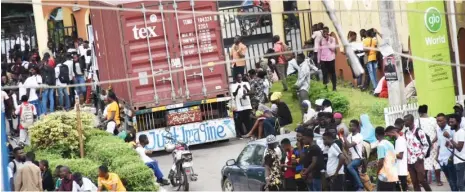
{"x": 318, "y": 91}
{"x": 101, "y": 148}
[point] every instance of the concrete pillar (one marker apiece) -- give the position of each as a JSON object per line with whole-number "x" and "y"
{"x": 277, "y": 19}
{"x": 41, "y": 26}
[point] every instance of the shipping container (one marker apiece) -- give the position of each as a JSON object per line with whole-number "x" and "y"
{"x": 184, "y": 50}
{"x": 178, "y": 62}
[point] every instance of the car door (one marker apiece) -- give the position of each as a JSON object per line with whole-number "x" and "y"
{"x": 239, "y": 176}
{"x": 256, "y": 171}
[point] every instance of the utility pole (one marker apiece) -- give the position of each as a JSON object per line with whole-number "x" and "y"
{"x": 387, "y": 20}
{"x": 79, "y": 127}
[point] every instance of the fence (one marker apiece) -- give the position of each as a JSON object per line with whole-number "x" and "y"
{"x": 297, "y": 33}
{"x": 26, "y": 36}
{"x": 392, "y": 113}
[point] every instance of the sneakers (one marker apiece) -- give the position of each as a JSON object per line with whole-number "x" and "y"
{"x": 163, "y": 182}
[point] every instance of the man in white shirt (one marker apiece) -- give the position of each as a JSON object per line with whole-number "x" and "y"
{"x": 316, "y": 36}
{"x": 456, "y": 142}
{"x": 353, "y": 142}
{"x": 240, "y": 91}
{"x": 152, "y": 164}
{"x": 304, "y": 77}
{"x": 445, "y": 152}
{"x": 335, "y": 164}
{"x": 31, "y": 84}
{"x": 401, "y": 155}
{"x": 82, "y": 184}
{"x": 18, "y": 161}
{"x": 63, "y": 91}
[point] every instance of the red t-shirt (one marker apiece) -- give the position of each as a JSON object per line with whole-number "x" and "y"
{"x": 290, "y": 172}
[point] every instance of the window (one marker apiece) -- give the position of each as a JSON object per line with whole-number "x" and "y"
{"x": 247, "y": 155}
{"x": 258, "y": 155}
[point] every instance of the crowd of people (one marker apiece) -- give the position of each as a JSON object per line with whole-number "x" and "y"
{"x": 27, "y": 174}
{"x": 411, "y": 151}
{"x": 25, "y": 69}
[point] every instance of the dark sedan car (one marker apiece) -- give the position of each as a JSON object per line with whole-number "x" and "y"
{"x": 246, "y": 173}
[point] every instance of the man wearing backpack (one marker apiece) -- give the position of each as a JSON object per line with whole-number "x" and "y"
{"x": 48, "y": 78}
{"x": 418, "y": 148}
{"x": 62, "y": 75}
{"x": 27, "y": 113}
{"x": 17, "y": 162}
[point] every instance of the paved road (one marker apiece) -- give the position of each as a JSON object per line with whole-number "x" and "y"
{"x": 208, "y": 161}
{"x": 210, "y": 158}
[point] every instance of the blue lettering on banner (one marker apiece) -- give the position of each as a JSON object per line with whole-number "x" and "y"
{"x": 192, "y": 133}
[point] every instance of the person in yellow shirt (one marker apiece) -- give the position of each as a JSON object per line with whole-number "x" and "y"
{"x": 109, "y": 181}
{"x": 372, "y": 62}
{"x": 113, "y": 114}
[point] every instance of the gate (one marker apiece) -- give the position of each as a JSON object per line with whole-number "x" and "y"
{"x": 296, "y": 36}
{"x": 59, "y": 35}
{"x": 19, "y": 38}
{"x": 258, "y": 39}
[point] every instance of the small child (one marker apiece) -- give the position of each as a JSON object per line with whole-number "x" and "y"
{"x": 27, "y": 116}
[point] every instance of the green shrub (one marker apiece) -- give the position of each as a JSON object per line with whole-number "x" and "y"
{"x": 319, "y": 91}
{"x": 291, "y": 80}
{"x": 106, "y": 148}
{"x": 58, "y": 132}
{"x": 138, "y": 176}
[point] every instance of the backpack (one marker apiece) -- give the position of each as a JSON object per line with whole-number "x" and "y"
{"x": 26, "y": 113}
{"x": 64, "y": 74}
{"x": 428, "y": 139}
{"x": 14, "y": 167}
{"x": 48, "y": 75}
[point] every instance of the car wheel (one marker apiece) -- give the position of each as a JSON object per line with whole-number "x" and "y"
{"x": 227, "y": 185}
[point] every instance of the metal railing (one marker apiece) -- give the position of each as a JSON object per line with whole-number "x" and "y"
{"x": 24, "y": 39}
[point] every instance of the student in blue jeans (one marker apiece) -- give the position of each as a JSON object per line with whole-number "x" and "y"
{"x": 152, "y": 164}
{"x": 353, "y": 143}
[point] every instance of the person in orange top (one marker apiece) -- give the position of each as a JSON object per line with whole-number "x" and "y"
{"x": 280, "y": 47}
{"x": 109, "y": 181}
{"x": 238, "y": 51}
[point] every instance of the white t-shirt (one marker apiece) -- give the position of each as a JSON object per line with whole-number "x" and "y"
{"x": 401, "y": 146}
{"x": 70, "y": 65}
{"x": 11, "y": 165}
{"x": 4, "y": 98}
{"x": 462, "y": 123}
{"x": 241, "y": 104}
{"x": 266, "y": 83}
{"x": 459, "y": 136}
{"x": 22, "y": 90}
{"x": 87, "y": 185}
{"x": 34, "y": 80}
{"x": 333, "y": 160}
{"x": 317, "y": 36}
{"x": 141, "y": 151}
{"x": 358, "y": 139}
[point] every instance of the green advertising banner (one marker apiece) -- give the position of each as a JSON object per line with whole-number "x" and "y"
{"x": 429, "y": 39}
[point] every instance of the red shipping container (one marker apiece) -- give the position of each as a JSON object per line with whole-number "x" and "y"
{"x": 131, "y": 44}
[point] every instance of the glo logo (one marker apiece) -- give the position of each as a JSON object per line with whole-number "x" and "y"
{"x": 433, "y": 20}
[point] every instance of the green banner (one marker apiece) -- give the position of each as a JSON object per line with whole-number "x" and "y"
{"x": 429, "y": 39}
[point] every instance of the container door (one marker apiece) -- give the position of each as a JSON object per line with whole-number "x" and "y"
{"x": 148, "y": 55}
{"x": 198, "y": 38}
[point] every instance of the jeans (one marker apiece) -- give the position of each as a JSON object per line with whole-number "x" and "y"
{"x": 315, "y": 185}
{"x": 329, "y": 68}
{"x": 81, "y": 90}
{"x": 417, "y": 174}
{"x": 360, "y": 77}
{"x": 48, "y": 94}
{"x": 282, "y": 68}
{"x": 386, "y": 186}
{"x": 451, "y": 175}
{"x": 62, "y": 92}
{"x": 156, "y": 170}
{"x": 38, "y": 107}
{"x": 460, "y": 170}
{"x": 353, "y": 170}
{"x": 372, "y": 67}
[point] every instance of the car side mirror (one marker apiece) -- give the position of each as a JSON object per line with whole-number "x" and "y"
{"x": 230, "y": 162}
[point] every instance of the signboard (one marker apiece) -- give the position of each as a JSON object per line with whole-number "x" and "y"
{"x": 192, "y": 134}
{"x": 390, "y": 71}
{"x": 184, "y": 116}
{"x": 433, "y": 82}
